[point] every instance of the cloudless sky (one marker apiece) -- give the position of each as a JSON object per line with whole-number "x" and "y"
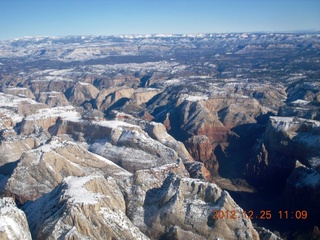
{"x": 20, "y": 18}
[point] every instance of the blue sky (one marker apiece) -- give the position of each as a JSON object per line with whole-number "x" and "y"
{"x": 20, "y": 18}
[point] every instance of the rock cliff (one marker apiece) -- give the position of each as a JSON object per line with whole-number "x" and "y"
{"x": 13, "y": 221}
{"x": 184, "y": 209}
{"x": 286, "y": 139}
{"x": 40, "y": 170}
{"x": 90, "y": 207}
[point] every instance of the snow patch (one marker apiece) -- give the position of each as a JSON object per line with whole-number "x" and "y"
{"x": 300, "y": 102}
{"x": 76, "y": 192}
{"x": 281, "y": 123}
{"x": 83, "y": 83}
{"x": 172, "y": 81}
{"x": 67, "y": 113}
{"x": 52, "y": 145}
{"x": 191, "y": 98}
{"x": 115, "y": 124}
{"x": 284, "y": 123}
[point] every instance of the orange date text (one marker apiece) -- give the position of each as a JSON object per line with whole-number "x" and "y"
{"x": 262, "y": 215}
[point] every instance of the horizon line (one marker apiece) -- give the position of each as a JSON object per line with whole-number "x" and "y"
{"x": 306, "y": 31}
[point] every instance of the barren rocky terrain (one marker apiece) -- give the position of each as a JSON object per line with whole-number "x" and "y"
{"x": 207, "y": 136}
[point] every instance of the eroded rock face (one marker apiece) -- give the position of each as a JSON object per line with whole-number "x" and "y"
{"x": 114, "y": 99}
{"x": 201, "y": 149}
{"x": 103, "y": 95}
{"x": 90, "y": 207}
{"x": 131, "y": 148}
{"x": 81, "y": 92}
{"x": 56, "y": 85}
{"x": 42, "y": 169}
{"x": 158, "y": 132}
{"x": 18, "y": 107}
{"x": 44, "y": 119}
{"x": 141, "y": 96}
{"x": 182, "y": 208}
{"x": 11, "y": 150}
{"x": 305, "y": 90}
{"x": 285, "y": 140}
{"x": 53, "y": 99}
{"x": 20, "y": 92}
{"x": 13, "y": 221}
{"x": 189, "y": 116}
{"x": 302, "y": 191}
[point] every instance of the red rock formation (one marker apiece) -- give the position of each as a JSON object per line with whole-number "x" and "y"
{"x": 201, "y": 149}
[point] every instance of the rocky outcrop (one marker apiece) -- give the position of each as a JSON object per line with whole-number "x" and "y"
{"x": 20, "y": 92}
{"x": 12, "y": 149}
{"x": 13, "y": 221}
{"x": 301, "y": 109}
{"x": 131, "y": 148}
{"x": 90, "y": 207}
{"x": 93, "y": 115}
{"x": 171, "y": 209}
{"x": 307, "y": 90}
{"x": 41, "y": 169}
{"x": 15, "y": 108}
{"x": 115, "y": 99}
{"x": 285, "y": 140}
{"x": 81, "y": 93}
{"x": 302, "y": 191}
{"x": 53, "y": 99}
{"x": 141, "y": 96}
{"x": 266, "y": 234}
{"x": 243, "y": 111}
{"x": 56, "y": 85}
{"x": 201, "y": 149}
{"x": 121, "y": 142}
{"x": 204, "y": 122}
{"x": 43, "y": 119}
{"x": 103, "y": 95}
{"x": 158, "y": 132}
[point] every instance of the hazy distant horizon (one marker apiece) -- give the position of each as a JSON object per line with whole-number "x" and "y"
{"x": 307, "y": 31}
{"x": 140, "y": 17}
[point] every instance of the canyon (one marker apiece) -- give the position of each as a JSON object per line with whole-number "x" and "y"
{"x": 145, "y": 136}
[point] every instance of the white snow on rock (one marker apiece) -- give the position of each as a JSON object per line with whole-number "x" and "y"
{"x": 300, "y": 102}
{"x": 7, "y": 100}
{"x": 13, "y": 222}
{"x": 9, "y": 106}
{"x": 56, "y": 143}
{"x": 172, "y": 82}
{"x": 281, "y": 123}
{"x": 84, "y": 83}
{"x": 76, "y": 192}
{"x": 284, "y": 123}
{"x": 67, "y": 113}
{"x": 115, "y": 124}
{"x": 191, "y": 98}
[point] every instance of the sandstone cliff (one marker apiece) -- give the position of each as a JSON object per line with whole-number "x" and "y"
{"x": 286, "y": 139}
{"x": 53, "y": 99}
{"x": 13, "y": 221}
{"x": 182, "y": 208}
{"x": 81, "y": 92}
{"x": 41, "y": 169}
{"x": 90, "y": 207}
